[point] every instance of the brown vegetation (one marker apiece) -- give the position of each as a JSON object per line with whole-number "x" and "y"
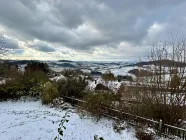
{"x": 161, "y": 96}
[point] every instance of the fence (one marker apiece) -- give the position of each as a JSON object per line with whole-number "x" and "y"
{"x": 173, "y": 130}
{"x": 162, "y": 129}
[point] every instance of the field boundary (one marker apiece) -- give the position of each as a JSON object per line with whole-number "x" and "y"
{"x": 162, "y": 129}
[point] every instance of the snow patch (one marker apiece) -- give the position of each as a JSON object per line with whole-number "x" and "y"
{"x": 31, "y": 120}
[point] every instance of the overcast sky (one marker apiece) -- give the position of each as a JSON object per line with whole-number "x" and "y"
{"x": 88, "y": 29}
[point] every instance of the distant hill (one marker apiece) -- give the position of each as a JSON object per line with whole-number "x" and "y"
{"x": 20, "y": 62}
{"x": 165, "y": 63}
{"x": 66, "y": 65}
{"x": 68, "y": 61}
{"x": 139, "y": 73}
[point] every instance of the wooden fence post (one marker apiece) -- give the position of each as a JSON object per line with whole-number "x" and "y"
{"x": 72, "y": 98}
{"x": 160, "y": 127}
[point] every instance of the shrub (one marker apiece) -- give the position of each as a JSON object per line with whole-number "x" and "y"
{"x": 10, "y": 92}
{"x": 108, "y": 76}
{"x": 141, "y": 135}
{"x": 62, "y": 126}
{"x": 69, "y": 73}
{"x": 101, "y": 87}
{"x": 49, "y": 92}
{"x": 11, "y": 89}
{"x": 19, "y": 84}
{"x": 8, "y": 70}
{"x": 140, "y": 73}
{"x": 36, "y": 67}
{"x": 95, "y": 103}
{"x": 72, "y": 87}
{"x": 32, "y": 82}
{"x": 124, "y": 78}
{"x": 172, "y": 115}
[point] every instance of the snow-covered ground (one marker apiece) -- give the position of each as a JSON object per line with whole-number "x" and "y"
{"x": 31, "y": 120}
{"x": 113, "y": 85}
{"x": 57, "y": 78}
{"x": 57, "y": 69}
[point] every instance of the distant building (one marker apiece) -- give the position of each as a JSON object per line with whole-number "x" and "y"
{"x": 95, "y": 74}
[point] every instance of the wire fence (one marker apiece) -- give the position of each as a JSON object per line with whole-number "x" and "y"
{"x": 162, "y": 129}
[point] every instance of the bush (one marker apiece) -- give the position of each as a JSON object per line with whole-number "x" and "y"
{"x": 95, "y": 103}
{"x": 36, "y": 67}
{"x": 8, "y": 70}
{"x": 49, "y": 92}
{"x": 172, "y": 115}
{"x": 140, "y": 73}
{"x": 72, "y": 87}
{"x": 10, "y": 92}
{"x": 32, "y": 82}
{"x": 101, "y": 87}
{"x": 108, "y": 76}
{"x": 124, "y": 78}
{"x": 141, "y": 135}
{"x": 19, "y": 84}
{"x": 11, "y": 89}
{"x": 69, "y": 73}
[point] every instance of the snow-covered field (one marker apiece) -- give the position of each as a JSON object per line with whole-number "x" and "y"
{"x": 31, "y": 120}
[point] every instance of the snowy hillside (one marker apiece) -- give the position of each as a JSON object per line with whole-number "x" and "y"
{"x": 32, "y": 121}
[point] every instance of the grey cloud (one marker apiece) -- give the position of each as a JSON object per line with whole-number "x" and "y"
{"x": 57, "y": 21}
{"x": 128, "y": 4}
{"x": 9, "y": 43}
{"x": 18, "y": 51}
{"x": 43, "y": 47}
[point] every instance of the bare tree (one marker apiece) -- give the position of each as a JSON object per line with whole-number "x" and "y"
{"x": 3, "y": 48}
{"x": 162, "y": 95}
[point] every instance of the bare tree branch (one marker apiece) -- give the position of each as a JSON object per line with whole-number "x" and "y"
{"x": 3, "y": 46}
